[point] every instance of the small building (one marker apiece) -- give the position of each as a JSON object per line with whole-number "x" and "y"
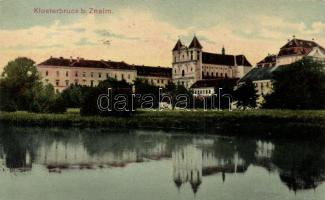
{"x": 158, "y": 76}
{"x": 296, "y": 49}
{"x": 293, "y": 51}
{"x": 207, "y": 87}
{"x": 268, "y": 61}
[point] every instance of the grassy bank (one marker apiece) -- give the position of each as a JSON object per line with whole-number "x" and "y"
{"x": 235, "y": 122}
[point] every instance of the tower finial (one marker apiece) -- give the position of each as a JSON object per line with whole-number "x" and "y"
{"x": 223, "y": 50}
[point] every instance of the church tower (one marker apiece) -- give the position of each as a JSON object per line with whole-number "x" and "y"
{"x": 187, "y": 63}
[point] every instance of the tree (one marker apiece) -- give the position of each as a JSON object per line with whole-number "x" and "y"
{"x": 89, "y": 104}
{"x": 144, "y": 88}
{"x": 300, "y": 85}
{"x": 73, "y": 96}
{"x": 20, "y": 83}
{"x": 245, "y": 95}
{"x": 174, "y": 91}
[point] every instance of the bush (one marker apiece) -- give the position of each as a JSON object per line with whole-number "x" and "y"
{"x": 58, "y": 106}
{"x": 35, "y": 107}
{"x": 300, "y": 85}
{"x": 89, "y": 103}
{"x": 8, "y": 107}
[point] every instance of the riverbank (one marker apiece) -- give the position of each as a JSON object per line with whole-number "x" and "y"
{"x": 264, "y": 122}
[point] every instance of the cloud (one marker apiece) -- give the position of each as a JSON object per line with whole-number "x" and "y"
{"x": 141, "y": 38}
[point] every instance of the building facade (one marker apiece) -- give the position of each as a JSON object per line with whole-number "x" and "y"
{"x": 191, "y": 64}
{"x": 293, "y": 51}
{"x": 62, "y": 72}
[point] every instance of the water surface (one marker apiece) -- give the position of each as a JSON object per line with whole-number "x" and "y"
{"x": 96, "y": 164}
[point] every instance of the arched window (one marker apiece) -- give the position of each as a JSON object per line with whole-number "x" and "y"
{"x": 183, "y": 73}
{"x": 207, "y": 74}
{"x": 212, "y": 74}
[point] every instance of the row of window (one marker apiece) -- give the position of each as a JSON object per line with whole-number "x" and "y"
{"x": 92, "y": 74}
{"x": 262, "y": 85}
{"x": 76, "y": 82}
{"x": 202, "y": 92}
{"x": 215, "y": 75}
{"x": 191, "y": 56}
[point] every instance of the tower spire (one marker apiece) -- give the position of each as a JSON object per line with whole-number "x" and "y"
{"x": 223, "y": 50}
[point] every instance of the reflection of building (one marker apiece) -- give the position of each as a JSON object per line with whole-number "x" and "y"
{"x": 264, "y": 149}
{"x": 58, "y": 155}
{"x": 264, "y": 153}
{"x": 187, "y": 166}
{"x": 190, "y": 163}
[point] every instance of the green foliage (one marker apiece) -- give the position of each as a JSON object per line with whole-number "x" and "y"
{"x": 300, "y": 85}
{"x": 89, "y": 103}
{"x": 73, "y": 95}
{"x": 144, "y": 88}
{"x": 21, "y": 89}
{"x": 173, "y": 91}
{"x": 57, "y": 106}
{"x": 20, "y": 83}
{"x": 245, "y": 95}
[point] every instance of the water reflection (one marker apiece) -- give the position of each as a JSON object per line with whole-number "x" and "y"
{"x": 300, "y": 165}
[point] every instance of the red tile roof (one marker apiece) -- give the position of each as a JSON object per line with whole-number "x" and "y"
{"x": 298, "y": 47}
{"x": 213, "y": 82}
{"x": 86, "y": 63}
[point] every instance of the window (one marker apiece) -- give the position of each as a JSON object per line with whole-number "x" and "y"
{"x": 66, "y": 73}
{"x": 175, "y": 59}
{"x": 198, "y": 55}
{"x": 217, "y": 74}
{"x": 221, "y": 74}
{"x": 157, "y": 80}
{"x": 57, "y": 73}
{"x": 191, "y": 55}
{"x": 83, "y": 74}
{"x": 162, "y": 81}
{"x": 183, "y": 73}
{"x": 46, "y": 73}
{"x": 92, "y": 74}
{"x": 122, "y": 76}
{"x": 115, "y": 76}
{"x": 191, "y": 69}
{"x": 57, "y": 82}
{"x": 67, "y": 83}
{"x": 129, "y": 76}
{"x": 212, "y": 74}
{"x": 207, "y": 74}
{"x": 175, "y": 71}
{"x": 76, "y": 74}
{"x": 91, "y": 83}
{"x": 99, "y": 75}
{"x": 226, "y": 75}
{"x": 107, "y": 75}
{"x": 76, "y": 81}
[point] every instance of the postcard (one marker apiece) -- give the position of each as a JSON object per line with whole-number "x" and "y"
{"x": 162, "y": 99}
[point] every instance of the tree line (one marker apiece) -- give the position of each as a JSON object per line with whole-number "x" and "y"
{"x": 300, "y": 85}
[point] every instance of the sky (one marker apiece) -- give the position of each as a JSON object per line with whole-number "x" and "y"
{"x": 145, "y": 31}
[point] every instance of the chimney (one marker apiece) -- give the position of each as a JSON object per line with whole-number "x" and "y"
{"x": 223, "y": 50}
{"x": 71, "y": 58}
